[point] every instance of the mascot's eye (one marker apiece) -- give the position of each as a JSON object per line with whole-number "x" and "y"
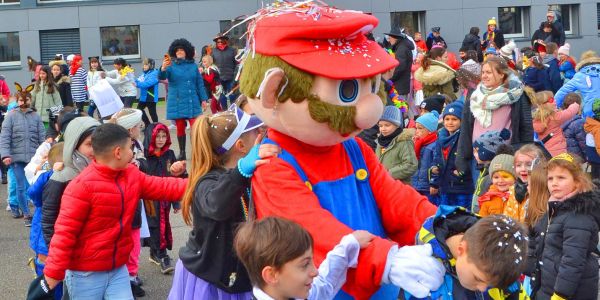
{"x": 348, "y": 90}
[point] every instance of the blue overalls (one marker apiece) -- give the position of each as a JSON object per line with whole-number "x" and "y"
{"x": 350, "y": 200}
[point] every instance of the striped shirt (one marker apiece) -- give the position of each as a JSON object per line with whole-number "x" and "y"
{"x": 79, "y": 85}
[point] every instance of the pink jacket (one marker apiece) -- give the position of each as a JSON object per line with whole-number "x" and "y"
{"x": 4, "y": 90}
{"x": 417, "y": 86}
{"x": 557, "y": 144}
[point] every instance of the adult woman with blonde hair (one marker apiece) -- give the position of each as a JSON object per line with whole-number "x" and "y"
{"x": 497, "y": 102}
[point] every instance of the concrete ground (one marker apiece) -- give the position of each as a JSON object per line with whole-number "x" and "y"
{"x": 14, "y": 248}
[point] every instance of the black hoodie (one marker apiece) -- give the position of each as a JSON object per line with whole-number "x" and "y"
{"x": 568, "y": 248}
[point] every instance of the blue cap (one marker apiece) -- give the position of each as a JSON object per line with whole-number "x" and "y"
{"x": 429, "y": 120}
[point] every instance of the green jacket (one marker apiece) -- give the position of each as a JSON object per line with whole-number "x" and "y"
{"x": 41, "y": 100}
{"x": 399, "y": 157}
{"x": 437, "y": 79}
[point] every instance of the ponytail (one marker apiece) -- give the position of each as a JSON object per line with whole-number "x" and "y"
{"x": 208, "y": 133}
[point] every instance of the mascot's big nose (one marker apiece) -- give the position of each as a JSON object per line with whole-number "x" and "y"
{"x": 368, "y": 111}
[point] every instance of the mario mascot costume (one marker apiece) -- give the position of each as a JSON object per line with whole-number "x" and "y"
{"x": 312, "y": 76}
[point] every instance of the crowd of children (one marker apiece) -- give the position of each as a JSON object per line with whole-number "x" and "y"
{"x": 505, "y": 144}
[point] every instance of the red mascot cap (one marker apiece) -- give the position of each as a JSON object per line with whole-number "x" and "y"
{"x": 324, "y": 41}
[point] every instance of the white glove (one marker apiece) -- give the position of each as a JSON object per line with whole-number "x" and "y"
{"x": 414, "y": 269}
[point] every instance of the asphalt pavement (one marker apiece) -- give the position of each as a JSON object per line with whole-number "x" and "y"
{"x": 16, "y": 275}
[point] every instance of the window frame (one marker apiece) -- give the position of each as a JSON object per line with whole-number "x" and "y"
{"x": 126, "y": 56}
{"x": 524, "y": 10}
{"x": 420, "y": 21}
{"x": 12, "y": 63}
{"x": 11, "y": 3}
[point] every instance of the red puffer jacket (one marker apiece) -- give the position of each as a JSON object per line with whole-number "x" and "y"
{"x": 93, "y": 229}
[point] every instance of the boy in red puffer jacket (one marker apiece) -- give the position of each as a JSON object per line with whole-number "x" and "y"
{"x": 92, "y": 238}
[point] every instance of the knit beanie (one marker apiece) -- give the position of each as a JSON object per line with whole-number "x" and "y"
{"x": 470, "y": 72}
{"x": 492, "y": 21}
{"x": 508, "y": 49}
{"x": 564, "y": 49}
{"x": 503, "y": 162}
{"x": 429, "y": 120}
{"x": 453, "y": 109}
{"x": 487, "y": 144}
{"x": 434, "y": 103}
{"x": 127, "y": 117}
{"x": 392, "y": 114}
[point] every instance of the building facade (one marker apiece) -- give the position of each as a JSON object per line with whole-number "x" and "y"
{"x": 135, "y": 29}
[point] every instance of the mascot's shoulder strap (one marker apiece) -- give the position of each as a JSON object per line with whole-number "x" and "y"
{"x": 289, "y": 158}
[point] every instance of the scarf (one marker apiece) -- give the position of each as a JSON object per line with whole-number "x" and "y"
{"x": 424, "y": 141}
{"x": 80, "y": 161}
{"x": 484, "y": 101}
{"x": 446, "y": 141}
{"x": 569, "y": 196}
{"x": 491, "y": 35}
{"x": 493, "y": 192}
{"x": 385, "y": 141}
{"x": 520, "y": 190}
{"x": 221, "y": 46}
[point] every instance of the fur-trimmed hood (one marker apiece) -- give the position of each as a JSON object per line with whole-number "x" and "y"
{"x": 57, "y": 62}
{"x": 63, "y": 78}
{"x": 406, "y": 135}
{"x": 438, "y": 73}
{"x": 590, "y": 67}
{"x": 587, "y": 203}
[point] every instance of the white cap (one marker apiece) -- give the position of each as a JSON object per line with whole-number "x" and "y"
{"x": 70, "y": 57}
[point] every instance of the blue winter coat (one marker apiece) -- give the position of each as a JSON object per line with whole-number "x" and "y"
{"x": 446, "y": 180}
{"x": 568, "y": 69}
{"x": 148, "y": 84}
{"x": 186, "y": 90}
{"x": 588, "y": 74}
{"x": 537, "y": 79}
{"x": 420, "y": 180}
{"x": 575, "y": 136}
{"x": 36, "y": 238}
{"x": 556, "y": 81}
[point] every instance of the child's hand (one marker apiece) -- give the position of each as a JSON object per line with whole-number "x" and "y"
{"x": 58, "y": 166}
{"x": 176, "y": 210}
{"x": 50, "y": 140}
{"x": 51, "y": 282}
{"x": 7, "y": 161}
{"x": 178, "y": 168}
{"x": 363, "y": 237}
{"x": 433, "y": 191}
{"x": 435, "y": 170}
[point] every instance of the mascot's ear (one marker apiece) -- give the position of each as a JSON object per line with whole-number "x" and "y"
{"x": 29, "y": 88}
{"x": 268, "y": 92}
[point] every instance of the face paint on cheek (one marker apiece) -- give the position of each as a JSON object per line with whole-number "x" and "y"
{"x": 338, "y": 118}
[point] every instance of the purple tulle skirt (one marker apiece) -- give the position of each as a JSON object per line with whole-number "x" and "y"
{"x": 186, "y": 286}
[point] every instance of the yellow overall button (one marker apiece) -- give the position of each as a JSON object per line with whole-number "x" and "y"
{"x": 307, "y": 183}
{"x": 361, "y": 174}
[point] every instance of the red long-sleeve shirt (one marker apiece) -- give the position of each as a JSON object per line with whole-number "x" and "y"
{"x": 279, "y": 191}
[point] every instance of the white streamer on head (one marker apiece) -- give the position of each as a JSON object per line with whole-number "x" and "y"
{"x": 237, "y": 132}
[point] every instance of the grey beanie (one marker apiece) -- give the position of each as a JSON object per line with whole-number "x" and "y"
{"x": 503, "y": 162}
{"x": 393, "y": 115}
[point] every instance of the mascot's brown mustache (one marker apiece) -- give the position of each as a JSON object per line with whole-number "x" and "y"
{"x": 338, "y": 118}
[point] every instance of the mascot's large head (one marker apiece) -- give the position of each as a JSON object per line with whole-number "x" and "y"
{"x": 309, "y": 71}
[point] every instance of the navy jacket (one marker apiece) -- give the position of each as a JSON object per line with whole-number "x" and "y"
{"x": 553, "y": 70}
{"x": 446, "y": 180}
{"x": 420, "y": 181}
{"x": 575, "y": 136}
{"x": 537, "y": 79}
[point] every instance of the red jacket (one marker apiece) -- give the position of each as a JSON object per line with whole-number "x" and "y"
{"x": 278, "y": 190}
{"x": 4, "y": 90}
{"x": 93, "y": 229}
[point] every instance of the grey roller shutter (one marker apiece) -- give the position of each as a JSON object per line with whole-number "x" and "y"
{"x": 63, "y": 41}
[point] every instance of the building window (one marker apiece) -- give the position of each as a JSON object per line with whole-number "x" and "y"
{"x": 236, "y": 35}
{"x": 9, "y": 1}
{"x": 120, "y": 41}
{"x": 9, "y": 49}
{"x": 513, "y": 21}
{"x": 598, "y": 15}
{"x": 568, "y": 14}
{"x": 411, "y": 21}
